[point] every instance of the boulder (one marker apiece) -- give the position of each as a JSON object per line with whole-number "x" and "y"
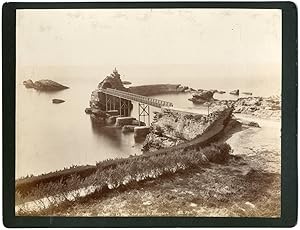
{"x": 57, "y": 101}
{"x": 235, "y": 92}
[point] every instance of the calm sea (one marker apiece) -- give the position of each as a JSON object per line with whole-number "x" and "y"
{"x": 53, "y": 136}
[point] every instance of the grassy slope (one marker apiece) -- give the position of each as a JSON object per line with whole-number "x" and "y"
{"x": 233, "y": 189}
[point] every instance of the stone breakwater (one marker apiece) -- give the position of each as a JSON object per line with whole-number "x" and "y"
{"x": 170, "y": 128}
{"x": 150, "y": 90}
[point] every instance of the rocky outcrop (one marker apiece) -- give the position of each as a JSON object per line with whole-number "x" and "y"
{"x": 150, "y": 90}
{"x": 98, "y": 100}
{"x": 235, "y": 92}
{"x": 202, "y": 96}
{"x": 57, "y": 101}
{"x": 171, "y": 128}
{"x": 112, "y": 81}
{"x": 262, "y": 107}
{"x": 44, "y": 85}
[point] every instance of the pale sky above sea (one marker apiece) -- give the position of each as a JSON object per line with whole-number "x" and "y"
{"x": 145, "y": 36}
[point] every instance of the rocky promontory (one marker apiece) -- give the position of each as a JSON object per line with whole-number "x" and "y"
{"x": 44, "y": 85}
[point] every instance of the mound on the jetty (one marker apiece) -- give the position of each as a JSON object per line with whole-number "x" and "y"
{"x": 44, "y": 85}
{"x": 171, "y": 127}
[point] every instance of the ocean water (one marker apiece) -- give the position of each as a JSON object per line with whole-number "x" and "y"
{"x": 50, "y": 136}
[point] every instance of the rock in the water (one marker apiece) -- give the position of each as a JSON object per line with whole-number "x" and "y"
{"x": 57, "y": 101}
{"x": 99, "y": 100}
{"x": 112, "y": 81}
{"x": 202, "y": 96}
{"x": 247, "y": 93}
{"x": 235, "y": 92}
{"x": 44, "y": 85}
{"x": 221, "y": 92}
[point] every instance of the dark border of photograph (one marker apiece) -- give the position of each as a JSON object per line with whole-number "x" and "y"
{"x": 288, "y": 136}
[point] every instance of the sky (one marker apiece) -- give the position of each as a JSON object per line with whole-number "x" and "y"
{"x": 89, "y": 37}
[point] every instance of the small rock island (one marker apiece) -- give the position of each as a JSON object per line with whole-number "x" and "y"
{"x": 44, "y": 85}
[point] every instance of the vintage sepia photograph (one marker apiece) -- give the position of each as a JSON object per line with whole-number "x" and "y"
{"x": 148, "y": 112}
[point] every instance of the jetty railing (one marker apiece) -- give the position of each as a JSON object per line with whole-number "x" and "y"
{"x": 135, "y": 97}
